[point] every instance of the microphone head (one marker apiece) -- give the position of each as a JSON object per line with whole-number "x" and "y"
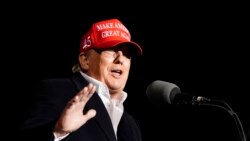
{"x": 161, "y": 92}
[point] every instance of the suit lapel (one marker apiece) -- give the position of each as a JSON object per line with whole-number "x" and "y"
{"x": 95, "y": 102}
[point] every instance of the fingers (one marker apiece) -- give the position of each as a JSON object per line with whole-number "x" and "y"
{"x": 83, "y": 96}
{"x": 73, "y": 116}
{"x": 86, "y": 92}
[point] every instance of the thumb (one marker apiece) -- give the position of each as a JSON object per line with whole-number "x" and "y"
{"x": 90, "y": 114}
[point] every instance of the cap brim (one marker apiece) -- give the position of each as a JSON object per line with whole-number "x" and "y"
{"x": 135, "y": 48}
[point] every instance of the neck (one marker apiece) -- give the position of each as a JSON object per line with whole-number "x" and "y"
{"x": 114, "y": 94}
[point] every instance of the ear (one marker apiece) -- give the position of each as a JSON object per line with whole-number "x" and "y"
{"x": 83, "y": 61}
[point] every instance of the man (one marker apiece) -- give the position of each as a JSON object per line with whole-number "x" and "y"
{"x": 89, "y": 106}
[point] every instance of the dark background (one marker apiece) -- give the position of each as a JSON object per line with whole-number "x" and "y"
{"x": 202, "y": 49}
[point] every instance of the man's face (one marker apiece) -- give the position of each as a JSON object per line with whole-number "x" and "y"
{"x": 110, "y": 66}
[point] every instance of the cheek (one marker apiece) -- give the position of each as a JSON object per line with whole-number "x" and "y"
{"x": 99, "y": 67}
{"x": 127, "y": 64}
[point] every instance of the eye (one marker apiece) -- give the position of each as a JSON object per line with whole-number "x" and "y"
{"x": 125, "y": 51}
{"x": 113, "y": 52}
{"x": 110, "y": 53}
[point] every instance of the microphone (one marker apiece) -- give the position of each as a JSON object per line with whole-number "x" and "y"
{"x": 161, "y": 92}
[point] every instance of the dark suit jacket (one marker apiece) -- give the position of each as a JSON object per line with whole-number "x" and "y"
{"x": 53, "y": 95}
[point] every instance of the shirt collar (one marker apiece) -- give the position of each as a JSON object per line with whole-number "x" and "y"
{"x": 102, "y": 89}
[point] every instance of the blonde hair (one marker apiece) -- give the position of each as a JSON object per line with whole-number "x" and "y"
{"x": 77, "y": 67}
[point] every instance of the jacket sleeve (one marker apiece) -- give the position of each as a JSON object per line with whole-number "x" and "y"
{"x": 51, "y": 97}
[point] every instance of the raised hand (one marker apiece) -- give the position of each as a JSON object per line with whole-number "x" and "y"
{"x": 73, "y": 117}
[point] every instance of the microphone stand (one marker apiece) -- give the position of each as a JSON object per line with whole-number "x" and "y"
{"x": 223, "y": 105}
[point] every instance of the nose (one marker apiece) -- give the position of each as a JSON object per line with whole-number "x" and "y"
{"x": 119, "y": 57}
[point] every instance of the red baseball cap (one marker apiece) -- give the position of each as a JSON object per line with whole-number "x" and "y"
{"x": 107, "y": 34}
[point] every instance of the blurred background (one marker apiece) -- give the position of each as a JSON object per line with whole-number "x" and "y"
{"x": 202, "y": 49}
